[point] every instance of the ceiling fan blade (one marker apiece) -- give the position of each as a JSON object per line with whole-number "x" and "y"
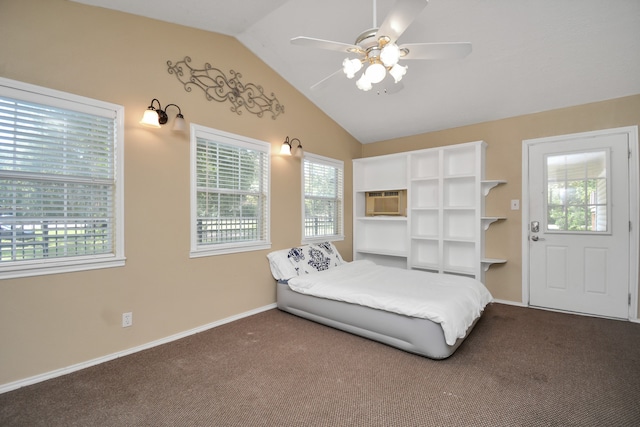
{"x": 454, "y": 50}
{"x": 324, "y": 44}
{"x": 400, "y": 17}
{"x": 325, "y": 82}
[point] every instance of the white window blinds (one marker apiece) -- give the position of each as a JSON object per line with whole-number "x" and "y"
{"x": 323, "y": 188}
{"x": 57, "y": 182}
{"x": 231, "y": 193}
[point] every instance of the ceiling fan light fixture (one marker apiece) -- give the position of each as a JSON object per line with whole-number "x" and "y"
{"x": 375, "y": 72}
{"x": 351, "y": 66}
{"x": 390, "y": 54}
{"x": 363, "y": 83}
{"x": 397, "y": 72}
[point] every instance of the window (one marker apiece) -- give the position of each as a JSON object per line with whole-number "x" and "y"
{"x": 229, "y": 193}
{"x": 61, "y": 186}
{"x": 577, "y": 192}
{"x": 323, "y": 188}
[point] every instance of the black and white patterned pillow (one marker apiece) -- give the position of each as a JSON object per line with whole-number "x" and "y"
{"x": 316, "y": 257}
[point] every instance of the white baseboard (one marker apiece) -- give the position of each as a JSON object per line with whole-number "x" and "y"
{"x": 519, "y": 304}
{"x": 502, "y": 301}
{"x": 79, "y": 366}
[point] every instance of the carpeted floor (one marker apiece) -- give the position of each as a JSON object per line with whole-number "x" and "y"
{"x": 519, "y": 367}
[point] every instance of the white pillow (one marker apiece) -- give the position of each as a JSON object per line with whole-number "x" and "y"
{"x": 281, "y": 267}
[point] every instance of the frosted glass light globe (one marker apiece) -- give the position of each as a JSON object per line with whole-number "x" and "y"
{"x": 364, "y": 83}
{"x": 390, "y": 54}
{"x": 375, "y": 72}
{"x": 397, "y": 71}
{"x": 351, "y": 66}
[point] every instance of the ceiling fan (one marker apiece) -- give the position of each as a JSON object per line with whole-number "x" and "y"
{"x": 376, "y": 49}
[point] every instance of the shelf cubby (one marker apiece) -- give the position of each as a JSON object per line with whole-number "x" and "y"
{"x": 425, "y": 165}
{"x": 460, "y": 160}
{"x": 459, "y": 256}
{"x": 460, "y": 192}
{"x": 425, "y": 193}
{"x": 460, "y": 224}
{"x": 425, "y": 253}
{"x": 425, "y": 222}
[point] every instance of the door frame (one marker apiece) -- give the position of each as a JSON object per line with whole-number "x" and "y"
{"x": 634, "y": 239}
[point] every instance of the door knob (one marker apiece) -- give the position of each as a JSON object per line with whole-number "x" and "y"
{"x": 536, "y": 238}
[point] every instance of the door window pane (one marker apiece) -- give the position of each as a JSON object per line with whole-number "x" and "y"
{"x": 577, "y": 192}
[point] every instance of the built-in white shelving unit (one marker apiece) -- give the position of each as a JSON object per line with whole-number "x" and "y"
{"x": 443, "y": 230}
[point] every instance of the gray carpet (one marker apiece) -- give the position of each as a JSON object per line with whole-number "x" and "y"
{"x": 519, "y": 367}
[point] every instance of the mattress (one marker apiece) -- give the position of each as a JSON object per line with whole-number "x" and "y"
{"x": 452, "y": 301}
{"x": 423, "y": 313}
{"x": 415, "y": 335}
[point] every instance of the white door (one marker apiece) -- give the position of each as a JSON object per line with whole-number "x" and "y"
{"x": 579, "y": 227}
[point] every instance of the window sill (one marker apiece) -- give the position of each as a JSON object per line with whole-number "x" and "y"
{"x": 320, "y": 239}
{"x": 38, "y": 268}
{"x": 228, "y": 249}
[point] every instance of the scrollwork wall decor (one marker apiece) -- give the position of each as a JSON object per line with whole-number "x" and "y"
{"x": 218, "y": 87}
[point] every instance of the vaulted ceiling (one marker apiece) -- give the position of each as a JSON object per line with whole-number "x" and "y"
{"x": 528, "y": 56}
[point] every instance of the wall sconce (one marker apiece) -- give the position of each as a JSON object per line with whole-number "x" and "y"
{"x": 288, "y": 150}
{"x": 154, "y": 117}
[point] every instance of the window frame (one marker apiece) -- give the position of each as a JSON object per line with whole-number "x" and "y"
{"x": 63, "y": 100}
{"x": 335, "y": 163}
{"x": 233, "y": 140}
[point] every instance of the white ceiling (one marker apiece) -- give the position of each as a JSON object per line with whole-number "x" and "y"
{"x": 528, "y": 56}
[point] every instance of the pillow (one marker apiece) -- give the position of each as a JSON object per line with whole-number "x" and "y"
{"x": 315, "y": 257}
{"x": 288, "y": 263}
{"x": 281, "y": 267}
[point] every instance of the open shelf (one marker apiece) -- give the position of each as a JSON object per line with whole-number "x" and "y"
{"x": 380, "y": 173}
{"x": 380, "y": 218}
{"x": 487, "y": 185}
{"x": 382, "y": 251}
{"x": 488, "y": 220}
{"x": 488, "y": 262}
{"x": 444, "y": 231}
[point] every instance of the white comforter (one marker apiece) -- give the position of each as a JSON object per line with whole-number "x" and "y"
{"x": 452, "y": 301}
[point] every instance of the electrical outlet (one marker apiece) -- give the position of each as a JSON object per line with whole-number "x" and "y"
{"x": 127, "y": 319}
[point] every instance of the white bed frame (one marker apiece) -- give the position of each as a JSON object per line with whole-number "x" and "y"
{"x": 412, "y": 334}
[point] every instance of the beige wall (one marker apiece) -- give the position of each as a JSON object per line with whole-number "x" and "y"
{"x": 55, "y": 321}
{"x": 504, "y": 161}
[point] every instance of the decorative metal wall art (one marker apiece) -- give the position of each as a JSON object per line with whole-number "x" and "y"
{"x": 218, "y": 87}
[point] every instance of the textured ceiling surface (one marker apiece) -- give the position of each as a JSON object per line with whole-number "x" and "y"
{"x": 528, "y": 56}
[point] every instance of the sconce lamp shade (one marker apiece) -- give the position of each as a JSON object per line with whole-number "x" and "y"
{"x": 150, "y": 118}
{"x": 179, "y": 125}
{"x": 287, "y": 150}
{"x": 155, "y": 117}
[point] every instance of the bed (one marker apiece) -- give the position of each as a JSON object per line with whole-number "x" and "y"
{"x": 420, "y": 312}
